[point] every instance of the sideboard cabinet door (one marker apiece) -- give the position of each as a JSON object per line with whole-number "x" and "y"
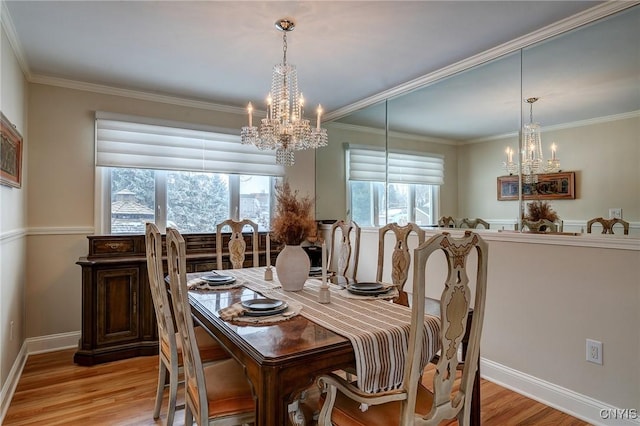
{"x": 118, "y": 301}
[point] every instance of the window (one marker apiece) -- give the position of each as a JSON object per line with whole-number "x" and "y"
{"x": 187, "y": 178}
{"x": 411, "y": 191}
{"x": 192, "y": 202}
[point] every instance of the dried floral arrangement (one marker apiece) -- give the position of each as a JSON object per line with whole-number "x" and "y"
{"x": 540, "y": 209}
{"x": 293, "y": 220}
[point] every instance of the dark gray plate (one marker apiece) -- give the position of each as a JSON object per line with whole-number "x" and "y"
{"x": 262, "y": 304}
{"x": 267, "y": 312}
{"x": 366, "y": 286}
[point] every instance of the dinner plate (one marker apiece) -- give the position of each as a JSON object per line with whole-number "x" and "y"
{"x": 366, "y": 286}
{"x": 262, "y": 304}
{"x": 369, "y": 292}
{"x": 315, "y": 271}
{"x": 263, "y": 313}
{"x": 218, "y": 279}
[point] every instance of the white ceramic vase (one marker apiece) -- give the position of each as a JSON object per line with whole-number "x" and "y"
{"x": 292, "y": 267}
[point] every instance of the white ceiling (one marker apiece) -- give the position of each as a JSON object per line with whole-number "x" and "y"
{"x": 222, "y": 52}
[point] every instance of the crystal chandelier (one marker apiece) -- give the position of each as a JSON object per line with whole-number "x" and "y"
{"x": 532, "y": 160}
{"x": 284, "y": 129}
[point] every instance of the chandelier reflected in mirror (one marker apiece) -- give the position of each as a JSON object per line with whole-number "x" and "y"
{"x": 284, "y": 129}
{"x": 532, "y": 160}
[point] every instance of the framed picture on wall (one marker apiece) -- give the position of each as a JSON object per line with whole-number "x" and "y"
{"x": 550, "y": 186}
{"x": 10, "y": 154}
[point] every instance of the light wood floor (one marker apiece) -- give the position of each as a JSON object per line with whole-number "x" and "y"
{"x": 54, "y": 391}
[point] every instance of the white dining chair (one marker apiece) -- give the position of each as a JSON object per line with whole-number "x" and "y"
{"x": 236, "y": 246}
{"x": 217, "y": 394}
{"x": 413, "y": 402}
{"x": 170, "y": 346}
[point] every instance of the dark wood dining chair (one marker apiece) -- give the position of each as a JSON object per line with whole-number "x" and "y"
{"x": 170, "y": 347}
{"x": 413, "y": 402}
{"x": 607, "y": 225}
{"x": 237, "y": 246}
{"x": 344, "y": 251}
{"x": 215, "y": 394}
{"x": 400, "y": 261}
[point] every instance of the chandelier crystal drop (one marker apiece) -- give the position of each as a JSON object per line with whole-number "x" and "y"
{"x": 532, "y": 160}
{"x": 284, "y": 129}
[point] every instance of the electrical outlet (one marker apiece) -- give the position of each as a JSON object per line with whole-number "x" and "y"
{"x": 615, "y": 213}
{"x": 594, "y": 351}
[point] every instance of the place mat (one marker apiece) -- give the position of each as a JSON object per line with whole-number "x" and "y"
{"x": 235, "y": 314}
{"x": 200, "y": 284}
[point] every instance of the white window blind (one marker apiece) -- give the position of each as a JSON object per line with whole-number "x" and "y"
{"x": 368, "y": 164}
{"x": 138, "y": 142}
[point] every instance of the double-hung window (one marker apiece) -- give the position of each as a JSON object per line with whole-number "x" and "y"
{"x": 386, "y": 186}
{"x": 176, "y": 174}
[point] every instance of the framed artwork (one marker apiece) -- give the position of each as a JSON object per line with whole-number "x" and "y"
{"x": 10, "y": 154}
{"x": 550, "y": 186}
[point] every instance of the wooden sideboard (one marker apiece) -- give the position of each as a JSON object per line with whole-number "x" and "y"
{"x": 118, "y": 319}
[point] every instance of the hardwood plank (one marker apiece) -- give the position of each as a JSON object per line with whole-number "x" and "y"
{"x": 54, "y": 391}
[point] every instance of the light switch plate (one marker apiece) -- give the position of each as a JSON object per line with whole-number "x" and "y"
{"x": 615, "y": 213}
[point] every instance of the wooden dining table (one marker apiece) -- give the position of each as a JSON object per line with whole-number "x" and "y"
{"x": 281, "y": 359}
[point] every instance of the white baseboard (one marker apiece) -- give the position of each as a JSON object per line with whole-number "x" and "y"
{"x": 31, "y": 346}
{"x": 563, "y": 399}
{"x": 11, "y": 383}
{"x": 53, "y": 342}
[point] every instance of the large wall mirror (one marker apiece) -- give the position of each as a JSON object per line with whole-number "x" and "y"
{"x": 588, "y": 82}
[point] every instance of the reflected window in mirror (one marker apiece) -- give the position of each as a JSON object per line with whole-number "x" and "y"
{"x": 410, "y": 194}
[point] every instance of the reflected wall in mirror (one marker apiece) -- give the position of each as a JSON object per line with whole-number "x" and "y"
{"x": 587, "y": 82}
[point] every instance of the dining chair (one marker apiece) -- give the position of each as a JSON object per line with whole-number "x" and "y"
{"x": 473, "y": 223}
{"x": 541, "y": 225}
{"x": 170, "y": 346}
{"x": 237, "y": 246}
{"x": 413, "y": 402}
{"x": 607, "y": 225}
{"x": 400, "y": 257}
{"x": 447, "y": 222}
{"x": 215, "y": 394}
{"x": 344, "y": 250}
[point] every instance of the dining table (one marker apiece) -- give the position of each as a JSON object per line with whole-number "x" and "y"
{"x": 282, "y": 357}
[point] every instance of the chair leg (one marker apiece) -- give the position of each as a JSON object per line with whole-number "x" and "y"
{"x": 188, "y": 416}
{"x": 162, "y": 374}
{"x": 173, "y": 394}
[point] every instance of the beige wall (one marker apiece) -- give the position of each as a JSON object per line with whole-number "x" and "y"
{"x": 13, "y": 94}
{"x": 61, "y": 200}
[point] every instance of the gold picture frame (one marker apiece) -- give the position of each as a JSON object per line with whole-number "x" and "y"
{"x": 550, "y": 186}
{"x": 10, "y": 154}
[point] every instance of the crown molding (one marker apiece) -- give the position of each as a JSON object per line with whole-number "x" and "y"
{"x": 392, "y": 134}
{"x": 12, "y": 36}
{"x": 562, "y": 126}
{"x": 590, "y": 15}
{"x": 134, "y": 94}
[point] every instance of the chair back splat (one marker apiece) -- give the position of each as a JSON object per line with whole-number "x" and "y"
{"x": 414, "y": 403}
{"x": 237, "y": 246}
{"x": 400, "y": 258}
{"x": 344, "y": 254}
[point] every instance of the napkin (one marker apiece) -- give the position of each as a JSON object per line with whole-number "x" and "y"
{"x": 232, "y": 312}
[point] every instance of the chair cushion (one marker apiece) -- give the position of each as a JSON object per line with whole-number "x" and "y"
{"x": 228, "y": 389}
{"x": 210, "y": 349}
{"x": 346, "y": 412}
